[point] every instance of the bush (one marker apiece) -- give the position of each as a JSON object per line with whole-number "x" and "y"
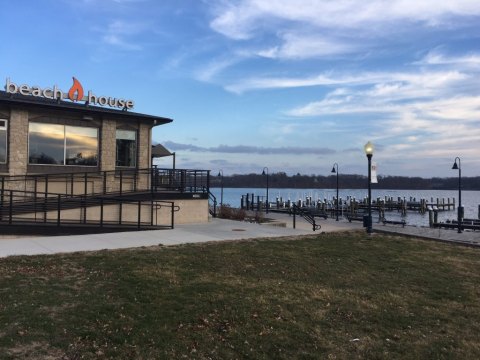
{"x": 259, "y": 218}
{"x": 227, "y": 212}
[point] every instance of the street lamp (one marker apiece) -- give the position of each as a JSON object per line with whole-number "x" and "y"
{"x": 459, "y": 209}
{"x": 220, "y": 175}
{"x": 266, "y": 173}
{"x": 369, "y": 152}
{"x": 333, "y": 171}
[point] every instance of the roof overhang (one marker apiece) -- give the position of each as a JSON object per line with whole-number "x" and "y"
{"x": 31, "y": 102}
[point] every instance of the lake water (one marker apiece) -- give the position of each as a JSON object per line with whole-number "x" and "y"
{"x": 470, "y": 199}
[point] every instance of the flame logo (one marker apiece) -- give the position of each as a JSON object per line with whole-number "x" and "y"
{"x": 76, "y": 88}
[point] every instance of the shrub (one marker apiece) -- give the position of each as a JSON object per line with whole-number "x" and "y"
{"x": 227, "y": 212}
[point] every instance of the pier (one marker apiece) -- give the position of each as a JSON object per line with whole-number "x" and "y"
{"x": 351, "y": 207}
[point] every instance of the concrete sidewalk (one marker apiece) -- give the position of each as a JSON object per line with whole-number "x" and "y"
{"x": 467, "y": 237}
{"x": 214, "y": 230}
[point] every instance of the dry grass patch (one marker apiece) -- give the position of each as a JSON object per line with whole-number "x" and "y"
{"x": 337, "y": 296}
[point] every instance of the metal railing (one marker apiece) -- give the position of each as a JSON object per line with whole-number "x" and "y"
{"x": 109, "y": 182}
{"x": 18, "y": 206}
{"x": 194, "y": 181}
{"x": 213, "y": 208}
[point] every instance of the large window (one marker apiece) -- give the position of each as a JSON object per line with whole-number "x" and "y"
{"x": 3, "y": 141}
{"x": 126, "y": 148}
{"x": 81, "y": 146}
{"x": 62, "y": 145}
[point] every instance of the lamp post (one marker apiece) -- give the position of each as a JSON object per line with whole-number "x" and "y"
{"x": 333, "y": 171}
{"x": 459, "y": 209}
{"x": 220, "y": 175}
{"x": 266, "y": 173}
{"x": 369, "y": 152}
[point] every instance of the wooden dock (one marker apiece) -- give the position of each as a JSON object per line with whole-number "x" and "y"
{"x": 351, "y": 206}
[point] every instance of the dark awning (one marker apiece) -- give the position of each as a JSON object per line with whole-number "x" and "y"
{"x": 160, "y": 151}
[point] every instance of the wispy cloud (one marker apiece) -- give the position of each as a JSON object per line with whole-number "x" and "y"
{"x": 303, "y": 46}
{"x": 395, "y": 92}
{"x": 123, "y": 35}
{"x": 242, "y": 19}
{"x": 210, "y": 71}
{"x": 425, "y": 80}
{"x": 438, "y": 58}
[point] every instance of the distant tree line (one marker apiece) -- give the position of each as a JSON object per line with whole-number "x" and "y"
{"x": 346, "y": 181}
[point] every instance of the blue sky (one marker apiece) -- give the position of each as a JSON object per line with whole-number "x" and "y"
{"x": 292, "y": 85}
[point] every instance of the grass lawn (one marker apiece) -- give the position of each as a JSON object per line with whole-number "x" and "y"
{"x": 329, "y": 296}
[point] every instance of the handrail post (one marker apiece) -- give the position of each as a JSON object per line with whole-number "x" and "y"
{"x": 120, "y": 212}
{"x": 85, "y": 184}
{"x": 151, "y": 212}
{"x": 135, "y": 174}
{"x": 172, "y": 214}
{"x": 208, "y": 181}
{"x": 84, "y": 200}
{"x": 58, "y": 209}
{"x": 121, "y": 181}
{"x": 104, "y": 182}
{"x": 194, "y": 182}
{"x": 101, "y": 212}
{"x": 139, "y": 213}
{"x": 184, "y": 180}
{"x": 10, "y": 208}
{"x": 151, "y": 175}
{"x": 294, "y": 213}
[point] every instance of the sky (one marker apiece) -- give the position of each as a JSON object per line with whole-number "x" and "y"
{"x": 291, "y": 85}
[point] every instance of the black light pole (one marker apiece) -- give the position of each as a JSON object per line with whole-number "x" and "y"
{"x": 333, "y": 171}
{"x": 266, "y": 173}
{"x": 369, "y": 152}
{"x": 220, "y": 175}
{"x": 459, "y": 209}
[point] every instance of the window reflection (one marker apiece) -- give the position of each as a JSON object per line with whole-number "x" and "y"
{"x": 62, "y": 145}
{"x": 81, "y": 146}
{"x": 126, "y": 148}
{"x": 46, "y": 143}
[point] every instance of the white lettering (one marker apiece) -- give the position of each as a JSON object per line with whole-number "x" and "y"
{"x": 47, "y": 93}
{"x": 24, "y": 89}
{"x": 92, "y": 98}
{"x": 102, "y": 100}
{"x": 36, "y": 91}
{"x": 10, "y": 88}
{"x": 56, "y": 93}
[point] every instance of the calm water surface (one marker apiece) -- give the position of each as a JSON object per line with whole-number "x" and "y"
{"x": 470, "y": 199}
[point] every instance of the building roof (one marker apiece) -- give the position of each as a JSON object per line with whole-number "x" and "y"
{"x": 160, "y": 151}
{"x": 87, "y": 110}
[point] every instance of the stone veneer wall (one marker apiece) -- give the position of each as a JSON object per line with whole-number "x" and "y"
{"x": 18, "y": 139}
{"x": 144, "y": 154}
{"x": 108, "y": 145}
{"x": 190, "y": 212}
